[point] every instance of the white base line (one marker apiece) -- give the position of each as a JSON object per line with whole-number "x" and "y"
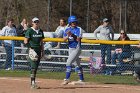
{"x": 15, "y": 79}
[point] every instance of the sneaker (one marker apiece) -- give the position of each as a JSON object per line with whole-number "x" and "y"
{"x": 34, "y": 86}
{"x": 66, "y": 81}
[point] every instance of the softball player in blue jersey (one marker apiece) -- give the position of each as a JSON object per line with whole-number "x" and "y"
{"x": 73, "y": 34}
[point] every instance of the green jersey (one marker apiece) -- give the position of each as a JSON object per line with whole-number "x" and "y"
{"x": 35, "y": 37}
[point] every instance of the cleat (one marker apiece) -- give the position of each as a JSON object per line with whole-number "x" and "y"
{"x": 66, "y": 81}
{"x": 80, "y": 82}
{"x": 34, "y": 86}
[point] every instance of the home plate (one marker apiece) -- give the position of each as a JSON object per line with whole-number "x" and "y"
{"x": 77, "y": 83}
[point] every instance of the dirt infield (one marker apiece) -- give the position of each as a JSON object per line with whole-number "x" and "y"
{"x": 22, "y": 85}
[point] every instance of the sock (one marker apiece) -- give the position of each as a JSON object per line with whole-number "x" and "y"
{"x": 68, "y": 72}
{"x": 81, "y": 76}
{"x": 79, "y": 70}
{"x": 33, "y": 75}
{"x": 32, "y": 81}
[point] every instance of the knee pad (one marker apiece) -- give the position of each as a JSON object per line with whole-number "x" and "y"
{"x": 68, "y": 68}
{"x": 79, "y": 70}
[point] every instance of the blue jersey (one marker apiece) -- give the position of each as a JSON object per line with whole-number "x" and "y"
{"x": 76, "y": 31}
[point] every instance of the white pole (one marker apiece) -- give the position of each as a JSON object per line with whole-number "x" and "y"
{"x": 48, "y": 18}
{"x": 120, "y": 15}
{"x": 125, "y": 15}
{"x": 70, "y": 7}
{"x": 87, "y": 16}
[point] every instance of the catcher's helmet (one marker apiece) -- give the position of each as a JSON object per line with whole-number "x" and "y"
{"x": 72, "y": 19}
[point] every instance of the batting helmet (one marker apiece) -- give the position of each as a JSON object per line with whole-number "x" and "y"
{"x": 72, "y": 19}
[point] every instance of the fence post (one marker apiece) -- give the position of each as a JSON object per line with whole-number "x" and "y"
{"x": 12, "y": 54}
{"x": 70, "y": 7}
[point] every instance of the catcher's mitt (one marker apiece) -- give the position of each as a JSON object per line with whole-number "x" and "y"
{"x": 33, "y": 55}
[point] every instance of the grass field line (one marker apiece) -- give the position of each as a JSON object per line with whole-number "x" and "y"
{"x": 15, "y": 79}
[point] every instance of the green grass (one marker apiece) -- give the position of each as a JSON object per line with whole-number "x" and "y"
{"x": 103, "y": 79}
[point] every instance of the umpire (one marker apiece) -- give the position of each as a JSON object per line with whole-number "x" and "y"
{"x": 34, "y": 40}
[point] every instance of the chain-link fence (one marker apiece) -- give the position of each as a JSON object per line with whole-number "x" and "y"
{"x": 55, "y": 59}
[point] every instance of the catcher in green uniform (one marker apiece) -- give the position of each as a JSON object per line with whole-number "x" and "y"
{"x": 34, "y": 41}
